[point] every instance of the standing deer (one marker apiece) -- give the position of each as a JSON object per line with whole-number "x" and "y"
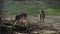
{"x": 42, "y": 16}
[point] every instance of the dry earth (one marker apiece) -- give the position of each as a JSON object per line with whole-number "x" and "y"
{"x": 51, "y": 25}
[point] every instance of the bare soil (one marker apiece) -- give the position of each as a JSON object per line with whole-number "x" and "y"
{"x": 51, "y": 25}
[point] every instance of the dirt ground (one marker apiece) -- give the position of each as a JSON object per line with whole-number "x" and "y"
{"x": 51, "y": 25}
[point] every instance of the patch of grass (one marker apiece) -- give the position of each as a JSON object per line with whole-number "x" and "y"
{"x": 52, "y": 9}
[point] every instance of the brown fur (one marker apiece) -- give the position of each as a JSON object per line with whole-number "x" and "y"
{"x": 18, "y": 17}
{"x": 21, "y": 17}
{"x": 42, "y": 16}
